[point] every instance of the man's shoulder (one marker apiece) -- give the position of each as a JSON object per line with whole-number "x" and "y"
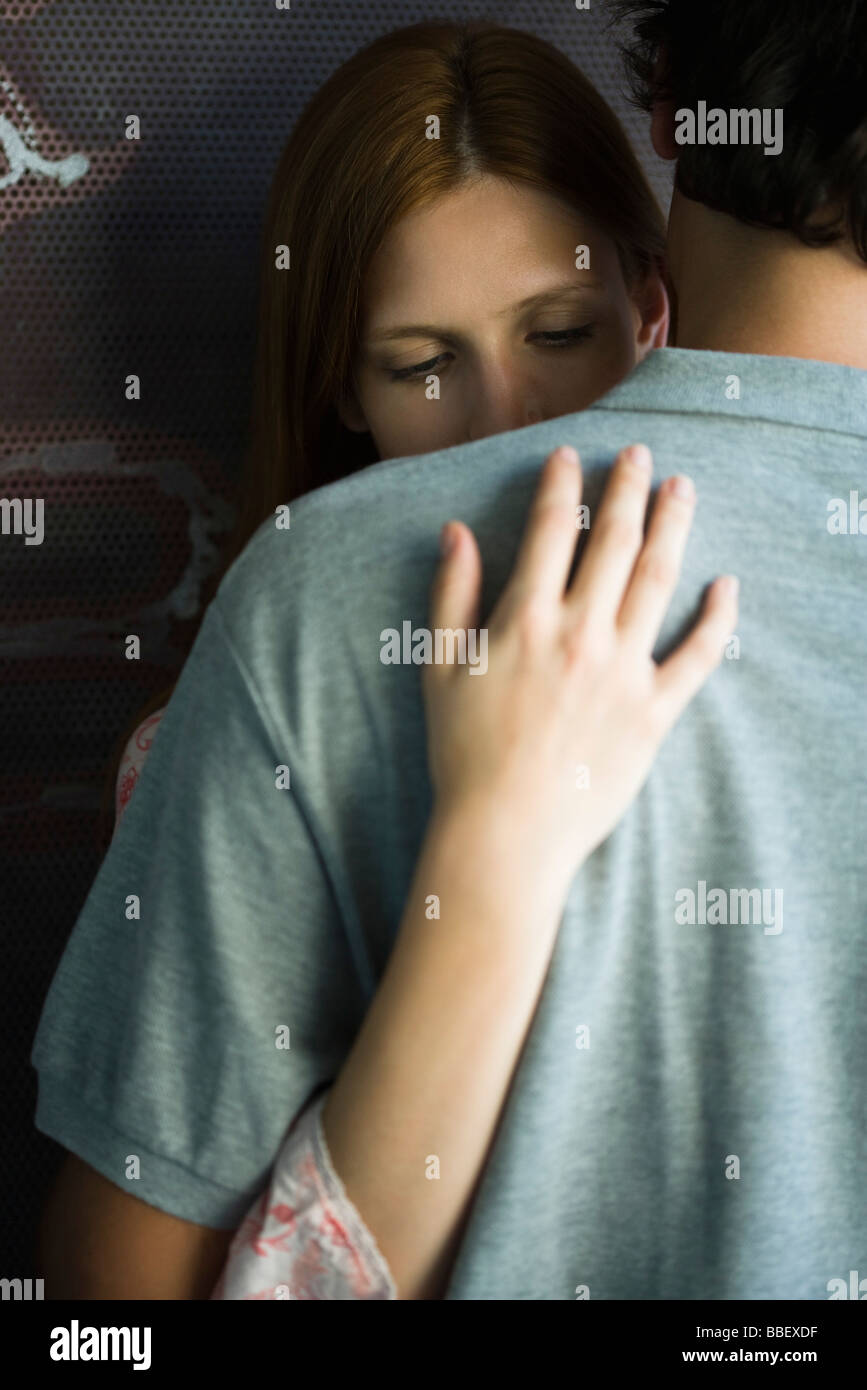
{"x": 384, "y": 509}
{"x": 357, "y": 547}
{"x": 341, "y": 545}
{"x": 331, "y": 547}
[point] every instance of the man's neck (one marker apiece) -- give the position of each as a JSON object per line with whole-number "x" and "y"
{"x": 744, "y": 289}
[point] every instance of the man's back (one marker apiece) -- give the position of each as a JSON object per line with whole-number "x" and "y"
{"x": 687, "y": 1119}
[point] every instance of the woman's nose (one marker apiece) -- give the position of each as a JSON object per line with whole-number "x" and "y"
{"x": 503, "y": 415}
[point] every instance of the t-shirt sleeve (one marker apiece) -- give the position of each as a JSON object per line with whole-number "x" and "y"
{"x": 303, "y": 1238}
{"x": 207, "y": 988}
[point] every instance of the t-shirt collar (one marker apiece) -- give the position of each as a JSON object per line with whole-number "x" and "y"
{"x": 787, "y": 390}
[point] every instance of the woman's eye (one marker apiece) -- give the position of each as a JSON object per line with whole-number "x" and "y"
{"x": 408, "y": 373}
{"x": 563, "y": 337}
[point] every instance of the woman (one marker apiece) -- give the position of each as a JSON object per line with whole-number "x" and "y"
{"x": 485, "y": 254}
{"x": 378, "y": 219}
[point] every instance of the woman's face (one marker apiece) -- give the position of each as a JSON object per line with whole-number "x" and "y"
{"x": 481, "y": 290}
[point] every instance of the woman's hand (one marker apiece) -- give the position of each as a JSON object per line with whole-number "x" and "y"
{"x": 554, "y": 740}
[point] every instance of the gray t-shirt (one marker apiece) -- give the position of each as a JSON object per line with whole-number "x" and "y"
{"x": 688, "y": 1119}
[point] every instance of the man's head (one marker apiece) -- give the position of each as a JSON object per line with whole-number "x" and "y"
{"x": 804, "y": 58}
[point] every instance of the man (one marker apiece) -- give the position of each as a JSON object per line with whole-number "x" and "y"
{"x": 687, "y": 1118}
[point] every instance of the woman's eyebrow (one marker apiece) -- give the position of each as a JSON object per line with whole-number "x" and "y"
{"x": 558, "y": 292}
{"x": 423, "y": 330}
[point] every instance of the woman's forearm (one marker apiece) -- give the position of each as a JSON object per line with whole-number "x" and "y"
{"x": 412, "y": 1112}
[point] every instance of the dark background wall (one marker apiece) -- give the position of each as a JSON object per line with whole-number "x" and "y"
{"x": 122, "y": 257}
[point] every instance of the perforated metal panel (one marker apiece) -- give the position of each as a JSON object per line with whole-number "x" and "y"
{"x": 120, "y": 257}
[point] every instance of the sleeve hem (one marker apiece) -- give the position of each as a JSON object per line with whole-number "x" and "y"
{"x": 164, "y": 1183}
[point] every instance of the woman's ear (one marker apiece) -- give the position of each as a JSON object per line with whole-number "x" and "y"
{"x": 652, "y": 313}
{"x": 350, "y": 412}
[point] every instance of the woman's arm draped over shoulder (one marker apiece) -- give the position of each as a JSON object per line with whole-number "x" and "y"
{"x": 570, "y": 685}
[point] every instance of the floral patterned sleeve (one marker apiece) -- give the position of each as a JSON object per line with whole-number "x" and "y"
{"x": 131, "y": 762}
{"x": 302, "y": 1238}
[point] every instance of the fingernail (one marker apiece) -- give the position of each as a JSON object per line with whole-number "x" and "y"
{"x": 447, "y": 538}
{"x": 682, "y": 486}
{"x": 567, "y": 452}
{"x": 730, "y": 584}
{"x": 640, "y": 455}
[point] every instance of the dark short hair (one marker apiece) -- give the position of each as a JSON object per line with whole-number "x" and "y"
{"x": 808, "y": 57}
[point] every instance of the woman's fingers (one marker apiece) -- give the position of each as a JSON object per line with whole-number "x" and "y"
{"x": 615, "y": 538}
{"x": 683, "y": 673}
{"x": 624, "y": 580}
{"x": 657, "y": 568}
{"x": 548, "y": 545}
{"x": 571, "y": 681}
{"x": 457, "y": 585}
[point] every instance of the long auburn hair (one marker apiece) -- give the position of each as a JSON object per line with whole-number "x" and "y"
{"x": 509, "y": 104}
